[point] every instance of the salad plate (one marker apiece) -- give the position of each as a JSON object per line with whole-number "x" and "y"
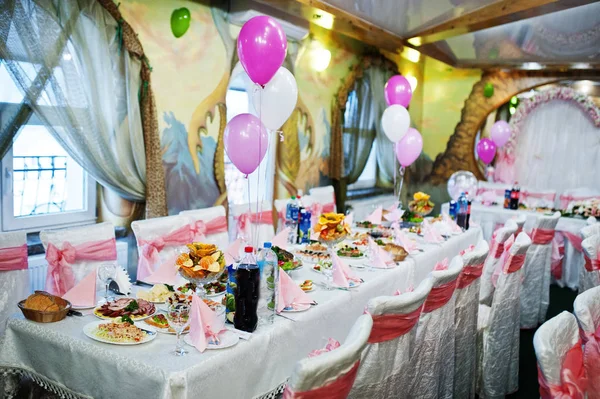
{"x": 128, "y": 335}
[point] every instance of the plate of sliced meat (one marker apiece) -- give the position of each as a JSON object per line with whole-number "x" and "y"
{"x": 136, "y": 309}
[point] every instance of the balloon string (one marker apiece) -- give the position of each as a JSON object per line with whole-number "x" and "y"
{"x": 402, "y": 169}
{"x": 258, "y": 199}
{"x": 395, "y": 167}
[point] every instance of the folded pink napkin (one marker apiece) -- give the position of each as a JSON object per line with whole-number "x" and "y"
{"x": 409, "y": 289}
{"x": 395, "y": 215}
{"x": 375, "y": 217}
{"x": 205, "y": 325}
{"x": 404, "y": 241}
{"x": 165, "y": 274}
{"x": 314, "y": 236}
{"x": 289, "y": 294}
{"x": 281, "y": 239}
{"x": 443, "y": 265}
{"x": 455, "y": 228}
{"x": 431, "y": 234}
{"x": 331, "y": 345}
{"x": 232, "y": 253}
{"x": 349, "y": 220}
{"x": 342, "y": 273}
{"x": 84, "y": 293}
{"x": 380, "y": 258}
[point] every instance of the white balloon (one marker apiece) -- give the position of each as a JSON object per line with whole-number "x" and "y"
{"x": 462, "y": 182}
{"x": 275, "y": 103}
{"x": 395, "y": 122}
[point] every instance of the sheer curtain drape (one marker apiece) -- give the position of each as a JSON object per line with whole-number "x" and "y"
{"x": 558, "y": 148}
{"x": 69, "y": 60}
{"x": 386, "y": 159}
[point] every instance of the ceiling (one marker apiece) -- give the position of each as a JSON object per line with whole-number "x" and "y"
{"x": 521, "y": 34}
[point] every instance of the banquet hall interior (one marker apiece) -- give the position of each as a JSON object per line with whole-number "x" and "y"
{"x": 300, "y": 199}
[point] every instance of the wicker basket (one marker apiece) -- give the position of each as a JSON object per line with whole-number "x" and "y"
{"x": 46, "y": 317}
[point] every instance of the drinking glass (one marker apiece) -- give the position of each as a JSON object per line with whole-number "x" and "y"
{"x": 178, "y": 315}
{"x": 106, "y": 273}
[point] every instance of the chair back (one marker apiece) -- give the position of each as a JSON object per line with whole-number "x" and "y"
{"x": 325, "y": 196}
{"x": 520, "y": 220}
{"x": 538, "y": 198}
{"x": 385, "y": 360}
{"x": 487, "y": 191}
{"x": 160, "y": 240}
{"x": 587, "y": 311}
{"x": 590, "y": 230}
{"x": 248, "y": 221}
{"x": 14, "y": 276}
{"x": 331, "y": 374}
{"x": 560, "y": 358}
{"x": 486, "y": 290}
{"x": 209, "y": 225}
{"x": 75, "y": 252}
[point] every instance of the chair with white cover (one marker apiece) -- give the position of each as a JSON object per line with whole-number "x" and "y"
{"x": 520, "y": 220}
{"x": 498, "y": 326}
{"x": 538, "y": 198}
{"x": 209, "y": 225}
{"x": 535, "y": 294}
{"x": 590, "y": 273}
{"x": 75, "y": 252}
{"x": 587, "y": 310}
{"x": 160, "y": 240}
{"x": 14, "y": 276}
{"x": 569, "y": 197}
{"x": 383, "y": 367}
{"x": 465, "y": 321}
{"x": 249, "y": 220}
{"x": 325, "y": 196}
{"x": 486, "y": 290}
{"x": 431, "y": 371}
{"x": 331, "y": 374}
{"x": 561, "y": 373}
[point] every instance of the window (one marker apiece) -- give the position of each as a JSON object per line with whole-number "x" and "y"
{"x": 368, "y": 177}
{"x": 42, "y": 186}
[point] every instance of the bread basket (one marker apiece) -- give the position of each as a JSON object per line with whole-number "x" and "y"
{"x": 46, "y": 317}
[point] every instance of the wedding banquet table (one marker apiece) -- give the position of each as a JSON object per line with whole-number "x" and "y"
{"x": 62, "y": 356}
{"x": 488, "y": 217}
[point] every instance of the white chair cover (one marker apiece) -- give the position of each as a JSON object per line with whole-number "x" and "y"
{"x": 535, "y": 294}
{"x": 465, "y": 322}
{"x": 520, "y": 220}
{"x": 264, "y": 229}
{"x": 77, "y": 236}
{"x": 431, "y": 371}
{"x": 586, "y": 279}
{"x": 486, "y": 291}
{"x": 499, "y": 330}
{"x": 151, "y": 229}
{"x": 14, "y": 284}
{"x": 569, "y": 197}
{"x": 324, "y": 196}
{"x": 590, "y": 230}
{"x": 587, "y": 310}
{"x": 221, "y": 239}
{"x": 552, "y": 341}
{"x": 591, "y": 249}
{"x": 383, "y": 369}
{"x": 534, "y": 198}
{"x": 490, "y": 190}
{"x": 315, "y": 372}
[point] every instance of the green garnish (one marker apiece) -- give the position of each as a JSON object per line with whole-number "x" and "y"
{"x": 132, "y": 307}
{"x": 126, "y": 319}
{"x": 170, "y": 287}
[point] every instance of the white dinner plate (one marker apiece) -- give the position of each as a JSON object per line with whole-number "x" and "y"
{"x": 217, "y": 294}
{"x": 227, "y": 338}
{"x": 317, "y": 271}
{"x": 134, "y": 318}
{"x": 362, "y": 256}
{"x": 89, "y": 328}
{"x": 302, "y": 307}
{"x": 82, "y": 307}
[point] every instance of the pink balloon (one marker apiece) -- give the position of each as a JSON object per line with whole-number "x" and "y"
{"x": 486, "y": 149}
{"x": 261, "y": 47}
{"x": 398, "y": 91}
{"x": 246, "y": 141}
{"x": 500, "y": 133}
{"x": 409, "y": 147}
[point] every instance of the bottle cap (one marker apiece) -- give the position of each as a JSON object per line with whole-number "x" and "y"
{"x": 299, "y": 197}
{"x": 293, "y": 197}
{"x": 248, "y": 249}
{"x": 267, "y": 245}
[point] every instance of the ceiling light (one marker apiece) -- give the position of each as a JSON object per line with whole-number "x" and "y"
{"x": 320, "y": 57}
{"x": 585, "y": 86}
{"x": 530, "y": 66}
{"x": 581, "y": 65}
{"x": 411, "y": 54}
{"x": 415, "y": 41}
{"x": 323, "y": 19}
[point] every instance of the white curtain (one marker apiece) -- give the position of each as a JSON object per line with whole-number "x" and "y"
{"x": 558, "y": 148}
{"x": 77, "y": 77}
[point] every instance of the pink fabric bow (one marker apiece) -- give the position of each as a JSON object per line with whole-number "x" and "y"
{"x": 542, "y": 236}
{"x": 591, "y": 360}
{"x": 391, "y": 326}
{"x": 336, "y": 389}
{"x": 443, "y": 265}
{"x": 13, "y": 258}
{"x": 205, "y": 325}
{"x": 60, "y": 278}
{"x": 149, "y": 256}
{"x": 439, "y": 296}
{"x": 200, "y": 229}
{"x": 246, "y": 219}
{"x": 331, "y": 345}
{"x": 573, "y": 378}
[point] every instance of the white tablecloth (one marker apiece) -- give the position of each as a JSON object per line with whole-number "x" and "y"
{"x": 62, "y": 353}
{"x": 489, "y": 216}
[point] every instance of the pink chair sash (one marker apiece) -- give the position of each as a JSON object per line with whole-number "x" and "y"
{"x": 565, "y": 200}
{"x": 513, "y": 263}
{"x": 60, "y": 278}
{"x": 573, "y": 378}
{"x": 591, "y": 360}
{"x": 391, "y": 326}
{"x": 246, "y": 219}
{"x": 13, "y": 258}
{"x": 558, "y": 254}
{"x": 498, "y": 191}
{"x": 547, "y": 196}
{"x": 149, "y": 258}
{"x": 591, "y": 265}
{"x": 542, "y": 236}
{"x": 439, "y": 296}
{"x": 468, "y": 275}
{"x": 574, "y": 239}
{"x": 337, "y": 389}
{"x": 200, "y": 229}
{"x": 497, "y": 248}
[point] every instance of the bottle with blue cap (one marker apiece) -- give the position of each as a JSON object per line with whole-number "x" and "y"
{"x": 267, "y": 262}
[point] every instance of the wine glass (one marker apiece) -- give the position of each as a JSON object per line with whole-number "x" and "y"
{"x": 106, "y": 273}
{"x": 178, "y": 315}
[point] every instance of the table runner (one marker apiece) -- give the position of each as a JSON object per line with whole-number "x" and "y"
{"x": 62, "y": 353}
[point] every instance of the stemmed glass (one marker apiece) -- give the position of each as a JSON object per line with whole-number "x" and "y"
{"x": 330, "y": 250}
{"x": 106, "y": 273}
{"x": 178, "y": 315}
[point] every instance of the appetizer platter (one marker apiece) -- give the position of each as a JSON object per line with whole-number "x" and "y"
{"x": 307, "y": 286}
{"x": 361, "y": 242}
{"x": 119, "y": 332}
{"x": 161, "y": 324}
{"x": 315, "y": 246}
{"x": 286, "y": 260}
{"x": 322, "y": 265}
{"x": 313, "y": 257}
{"x": 139, "y": 309}
{"x": 348, "y": 251}
{"x": 157, "y": 294}
{"x": 365, "y": 224}
{"x": 215, "y": 288}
